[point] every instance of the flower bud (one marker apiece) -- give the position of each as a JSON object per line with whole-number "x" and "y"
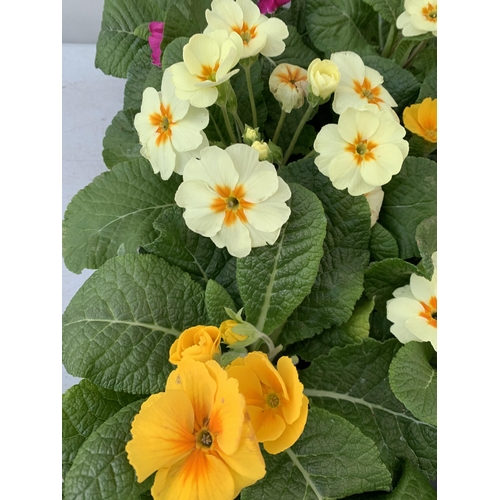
{"x": 227, "y": 333}
{"x": 262, "y": 148}
{"x": 200, "y": 343}
{"x": 288, "y": 83}
{"x": 251, "y": 135}
{"x": 324, "y": 77}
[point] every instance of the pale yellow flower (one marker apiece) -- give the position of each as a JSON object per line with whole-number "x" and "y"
{"x": 262, "y": 148}
{"x": 200, "y": 343}
{"x": 375, "y": 199}
{"x": 421, "y": 119}
{"x": 419, "y": 17}
{"x": 324, "y": 77}
{"x": 288, "y": 83}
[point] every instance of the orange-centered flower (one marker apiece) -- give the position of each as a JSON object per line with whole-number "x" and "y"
{"x": 288, "y": 83}
{"x": 367, "y": 91}
{"x": 421, "y": 119}
{"x": 430, "y": 12}
{"x": 200, "y": 343}
{"x": 196, "y": 436}
{"x": 275, "y": 400}
{"x": 419, "y": 17}
{"x": 232, "y": 203}
{"x": 164, "y": 121}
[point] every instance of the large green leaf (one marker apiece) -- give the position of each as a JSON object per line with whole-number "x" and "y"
{"x": 388, "y": 9}
{"x": 296, "y": 51}
{"x": 118, "y": 328}
{"x": 382, "y": 243}
{"x": 140, "y": 75}
{"x": 173, "y": 53}
{"x": 414, "y": 381}
{"x": 409, "y": 198}
{"x": 216, "y": 300}
{"x": 84, "y": 408}
{"x": 339, "y": 282}
{"x": 101, "y": 469}
{"x": 337, "y": 25}
{"x": 429, "y": 86}
{"x": 426, "y": 236}
{"x": 331, "y": 459}
{"x": 176, "y": 24}
{"x": 117, "y": 45}
{"x": 179, "y": 246}
{"x": 352, "y": 382}
{"x": 116, "y": 210}
{"x": 273, "y": 280}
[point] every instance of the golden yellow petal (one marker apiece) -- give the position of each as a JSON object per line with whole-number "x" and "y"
{"x": 290, "y": 407}
{"x": 249, "y": 384}
{"x": 427, "y": 117}
{"x": 268, "y": 375}
{"x": 162, "y": 433}
{"x": 266, "y": 422}
{"x": 410, "y": 120}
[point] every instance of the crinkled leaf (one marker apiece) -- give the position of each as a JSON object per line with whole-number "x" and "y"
{"x": 118, "y": 328}
{"x": 352, "y": 382}
{"x": 179, "y": 246}
{"x": 176, "y": 24}
{"x": 388, "y": 9}
{"x": 331, "y": 459}
{"x": 429, "y": 86}
{"x": 101, "y": 469}
{"x": 84, "y": 408}
{"x": 424, "y": 63}
{"x": 117, "y": 208}
{"x": 426, "y": 236}
{"x": 419, "y": 146}
{"x": 173, "y": 53}
{"x": 410, "y": 198}
{"x": 400, "y": 83}
{"x": 382, "y": 243}
{"x": 338, "y": 25}
{"x": 141, "y": 74}
{"x": 216, "y": 300}
{"x": 227, "y": 279}
{"x": 121, "y": 142}
{"x": 273, "y": 280}
{"x": 414, "y": 381}
{"x": 117, "y": 44}
{"x": 380, "y": 326}
{"x": 383, "y": 277}
{"x": 296, "y": 51}
{"x": 356, "y": 328}
{"x": 339, "y": 282}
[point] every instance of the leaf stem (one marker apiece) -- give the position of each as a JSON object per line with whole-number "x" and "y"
{"x": 228, "y": 125}
{"x": 380, "y": 34}
{"x": 295, "y": 137}
{"x": 415, "y": 52}
{"x": 219, "y": 132}
{"x": 277, "y": 132}
{"x": 239, "y": 123}
{"x": 390, "y": 40}
{"x": 250, "y": 94}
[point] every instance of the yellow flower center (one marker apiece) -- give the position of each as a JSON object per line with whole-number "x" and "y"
{"x": 246, "y": 33}
{"x": 366, "y": 91}
{"x": 204, "y": 439}
{"x": 430, "y": 13}
{"x": 362, "y": 149}
{"x": 209, "y": 73}
{"x": 232, "y": 202}
{"x": 272, "y": 400}
{"x": 430, "y": 311}
{"x": 164, "y": 121}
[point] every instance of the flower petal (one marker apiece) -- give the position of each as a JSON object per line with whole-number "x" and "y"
{"x": 235, "y": 238}
{"x": 162, "y": 157}
{"x": 422, "y": 289}
{"x": 186, "y": 133}
{"x": 266, "y": 422}
{"x": 276, "y": 32}
{"x": 291, "y": 407}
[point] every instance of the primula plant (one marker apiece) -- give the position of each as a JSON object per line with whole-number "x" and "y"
{"x": 262, "y": 319}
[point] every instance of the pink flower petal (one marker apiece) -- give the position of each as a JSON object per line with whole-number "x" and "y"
{"x": 154, "y": 40}
{"x": 269, "y": 6}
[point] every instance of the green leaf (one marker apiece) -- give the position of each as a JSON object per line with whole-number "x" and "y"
{"x": 425, "y": 62}
{"x": 400, "y": 83}
{"x": 409, "y": 198}
{"x": 380, "y": 326}
{"x": 414, "y": 381}
{"x": 121, "y": 142}
{"x": 191, "y": 252}
{"x": 117, "y": 44}
{"x": 338, "y": 25}
{"x": 382, "y": 243}
{"x": 273, "y": 280}
{"x": 296, "y": 51}
{"x": 339, "y": 282}
{"x": 419, "y": 146}
{"x": 331, "y": 459}
{"x": 216, "y": 300}
{"x": 429, "y": 86}
{"x": 118, "y": 328}
{"x": 352, "y": 382}
{"x": 142, "y": 31}
{"x": 176, "y": 24}
{"x": 141, "y": 74}
{"x": 173, "y": 53}
{"x": 227, "y": 279}
{"x": 84, "y": 408}
{"x": 118, "y": 207}
{"x": 101, "y": 469}
{"x": 383, "y": 277}
{"x": 388, "y": 9}
{"x": 354, "y": 330}
{"x": 426, "y": 236}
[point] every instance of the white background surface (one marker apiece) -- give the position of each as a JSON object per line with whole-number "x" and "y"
{"x": 81, "y": 20}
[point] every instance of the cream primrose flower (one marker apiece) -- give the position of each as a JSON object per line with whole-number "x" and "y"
{"x": 233, "y": 198}
{"x": 170, "y": 130}
{"x": 419, "y": 17}
{"x": 208, "y": 60}
{"x": 375, "y": 199}
{"x": 360, "y": 87}
{"x": 259, "y": 34}
{"x": 414, "y": 309}
{"x": 362, "y": 152}
{"x": 262, "y": 148}
{"x": 324, "y": 77}
{"x": 288, "y": 83}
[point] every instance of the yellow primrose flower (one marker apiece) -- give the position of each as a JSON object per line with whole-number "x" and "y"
{"x": 288, "y": 83}
{"x": 196, "y": 436}
{"x": 324, "y": 77}
{"x": 275, "y": 399}
{"x": 226, "y": 330}
{"x": 360, "y": 87}
{"x": 414, "y": 309}
{"x": 375, "y": 199}
{"x": 259, "y": 34}
{"x": 200, "y": 343}
{"x": 207, "y": 62}
{"x": 421, "y": 119}
{"x": 362, "y": 152}
{"x": 419, "y": 17}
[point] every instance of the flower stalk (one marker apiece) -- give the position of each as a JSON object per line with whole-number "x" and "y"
{"x": 277, "y": 132}
{"x": 247, "y": 67}
{"x": 295, "y": 137}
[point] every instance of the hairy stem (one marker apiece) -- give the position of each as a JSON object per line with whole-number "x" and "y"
{"x": 277, "y": 132}
{"x": 295, "y": 137}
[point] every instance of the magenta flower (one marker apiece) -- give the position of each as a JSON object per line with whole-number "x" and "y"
{"x": 155, "y": 39}
{"x": 269, "y": 6}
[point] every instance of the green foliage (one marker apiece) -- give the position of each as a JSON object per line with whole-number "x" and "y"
{"x": 339, "y": 282}
{"x": 176, "y": 24}
{"x": 173, "y": 53}
{"x": 410, "y": 198}
{"x": 337, "y": 25}
{"x": 216, "y": 300}
{"x": 388, "y": 9}
{"x": 296, "y": 51}
{"x": 352, "y": 382}
{"x": 117, "y": 208}
{"x": 118, "y": 328}
{"x": 117, "y": 44}
{"x": 101, "y": 469}
{"x": 121, "y": 142}
{"x": 273, "y": 280}
{"x": 426, "y": 236}
{"x": 84, "y": 408}
{"x": 331, "y": 459}
{"x": 429, "y": 86}
{"x": 382, "y": 243}
{"x": 414, "y": 381}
